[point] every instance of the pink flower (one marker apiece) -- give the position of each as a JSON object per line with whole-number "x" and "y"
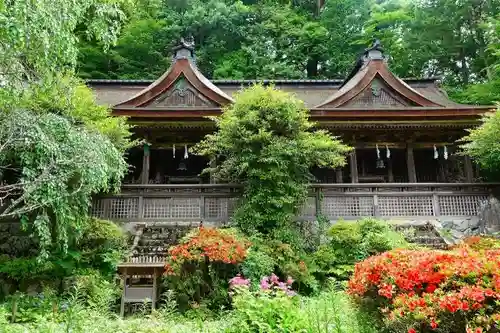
{"x": 264, "y": 283}
{"x": 289, "y": 281}
{"x": 239, "y": 281}
{"x": 274, "y": 279}
{"x": 282, "y": 286}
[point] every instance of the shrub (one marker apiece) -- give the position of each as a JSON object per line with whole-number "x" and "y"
{"x": 480, "y": 243}
{"x": 100, "y": 247}
{"x": 268, "y": 310}
{"x": 268, "y": 256}
{"x": 350, "y": 242}
{"x": 271, "y": 310}
{"x": 200, "y": 266}
{"x": 103, "y": 246}
{"x": 425, "y": 290}
{"x": 482, "y": 144}
{"x": 266, "y": 143}
{"x": 92, "y": 290}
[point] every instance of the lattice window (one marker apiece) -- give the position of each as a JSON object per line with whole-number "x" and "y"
{"x": 123, "y": 208}
{"x": 156, "y": 208}
{"x": 185, "y": 208}
{"x": 347, "y": 206}
{"x": 97, "y": 209}
{"x": 309, "y": 208}
{"x": 216, "y": 208}
{"x": 172, "y": 208}
{"x": 460, "y": 205}
{"x": 405, "y": 206}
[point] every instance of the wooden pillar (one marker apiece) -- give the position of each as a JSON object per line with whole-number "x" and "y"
{"x": 410, "y": 162}
{"x": 145, "y": 165}
{"x": 354, "y": 167}
{"x": 390, "y": 173}
{"x": 338, "y": 176}
{"x": 469, "y": 169}
{"x": 122, "y": 305}
{"x": 155, "y": 289}
{"x": 213, "y": 164}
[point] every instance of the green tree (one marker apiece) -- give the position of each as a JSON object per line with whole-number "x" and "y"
{"x": 482, "y": 144}
{"x": 266, "y": 142}
{"x": 486, "y": 92}
{"x": 57, "y": 146}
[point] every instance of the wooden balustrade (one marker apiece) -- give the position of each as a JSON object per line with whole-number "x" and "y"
{"x": 215, "y": 203}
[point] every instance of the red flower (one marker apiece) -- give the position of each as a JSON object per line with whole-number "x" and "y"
{"x": 412, "y": 285}
{"x": 412, "y": 330}
{"x": 216, "y": 245}
{"x": 430, "y": 288}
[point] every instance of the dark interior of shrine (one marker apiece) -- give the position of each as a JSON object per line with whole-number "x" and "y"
{"x": 168, "y": 167}
{"x": 374, "y": 165}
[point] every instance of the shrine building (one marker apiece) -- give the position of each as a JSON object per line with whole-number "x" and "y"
{"x": 404, "y": 131}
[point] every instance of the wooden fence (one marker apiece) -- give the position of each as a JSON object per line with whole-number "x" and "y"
{"x": 215, "y": 203}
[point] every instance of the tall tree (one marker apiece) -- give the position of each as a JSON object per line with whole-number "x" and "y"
{"x": 57, "y": 146}
{"x": 266, "y": 142}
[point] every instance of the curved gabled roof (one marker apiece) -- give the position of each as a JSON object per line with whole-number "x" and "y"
{"x": 373, "y": 85}
{"x": 181, "y": 86}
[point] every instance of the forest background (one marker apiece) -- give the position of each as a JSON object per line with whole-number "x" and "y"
{"x": 455, "y": 40}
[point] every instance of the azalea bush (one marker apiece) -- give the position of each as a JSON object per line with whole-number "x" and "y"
{"x": 430, "y": 290}
{"x": 199, "y": 268}
{"x": 480, "y": 243}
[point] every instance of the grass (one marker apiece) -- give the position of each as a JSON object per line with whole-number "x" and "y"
{"x": 329, "y": 312}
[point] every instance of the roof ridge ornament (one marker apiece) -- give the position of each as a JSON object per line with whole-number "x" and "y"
{"x": 184, "y": 50}
{"x": 374, "y": 52}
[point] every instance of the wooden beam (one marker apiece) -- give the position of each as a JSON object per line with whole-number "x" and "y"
{"x": 145, "y": 165}
{"x": 338, "y": 176}
{"x": 410, "y": 162}
{"x": 354, "y": 167}
{"x": 469, "y": 169}
{"x": 390, "y": 173}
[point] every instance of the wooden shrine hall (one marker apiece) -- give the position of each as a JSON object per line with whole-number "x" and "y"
{"x": 404, "y": 132}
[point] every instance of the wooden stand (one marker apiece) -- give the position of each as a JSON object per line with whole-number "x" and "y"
{"x": 143, "y": 292}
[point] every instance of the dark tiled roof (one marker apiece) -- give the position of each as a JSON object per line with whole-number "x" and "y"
{"x": 244, "y": 82}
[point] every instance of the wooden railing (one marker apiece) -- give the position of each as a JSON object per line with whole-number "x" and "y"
{"x": 215, "y": 203}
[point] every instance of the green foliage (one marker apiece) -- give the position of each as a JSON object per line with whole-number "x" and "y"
{"x": 58, "y": 167}
{"x": 70, "y": 98}
{"x": 482, "y": 144}
{"x": 94, "y": 256}
{"x": 91, "y": 289}
{"x": 267, "y": 313}
{"x": 46, "y": 42}
{"x": 103, "y": 245}
{"x": 267, "y": 255}
{"x": 292, "y": 39}
{"x": 58, "y": 147}
{"x": 266, "y": 142}
{"x": 257, "y": 264}
{"x": 350, "y": 242}
{"x": 330, "y": 312}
